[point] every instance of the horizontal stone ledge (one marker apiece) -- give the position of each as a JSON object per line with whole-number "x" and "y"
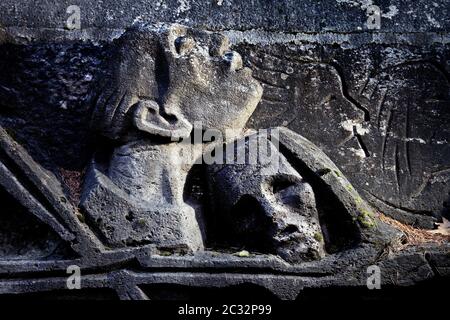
{"x": 254, "y": 37}
{"x": 280, "y": 15}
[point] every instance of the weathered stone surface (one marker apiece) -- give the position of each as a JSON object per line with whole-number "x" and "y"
{"x": 172, "y": 85}
{"x": 23, "y": 237}
{"x": 166, "y": 79}
{"x": 268, "y": 206}
{"x": 365, "y": 74}
{"x": 317, "y": 166}
{"x": 284, "y": 15}
{"x": 380, "y": 113}
{"x": 148, "y": 209}
{"x": 370, "y": 108}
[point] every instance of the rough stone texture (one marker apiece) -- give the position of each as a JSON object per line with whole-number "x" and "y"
{"x": 380, "y": 113}
{"x": 148, "y": 207}
{"x": 375, "y": 102}
{"x": 284, "y": 15}
{"x": 389, "y": 129}
{"x": 167, "y": 78}
{"x": 268, "y": 206}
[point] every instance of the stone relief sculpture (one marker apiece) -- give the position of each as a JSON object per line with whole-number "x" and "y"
{"x": 163, "y": 81}
{"x": 294, "y": 211}
{"x": 372, "y": 129}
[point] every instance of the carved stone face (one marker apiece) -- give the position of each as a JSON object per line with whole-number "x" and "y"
{"x": 208, "y": 82}
{"x": 173, "y": 76}
{"x": 168, "y": 78}
{"x": 268, "y": 208}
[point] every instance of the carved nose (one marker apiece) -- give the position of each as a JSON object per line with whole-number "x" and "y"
{"x": 234, "y": 60}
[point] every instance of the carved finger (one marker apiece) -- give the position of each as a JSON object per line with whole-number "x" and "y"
{"x": 99, "y": 107}
{"x": 119, "y": 117}
{"x": 111, "y": 107}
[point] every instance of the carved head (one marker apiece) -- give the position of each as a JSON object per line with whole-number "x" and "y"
{"x": 267, "y": 207}
{"x": 164, "y": 78}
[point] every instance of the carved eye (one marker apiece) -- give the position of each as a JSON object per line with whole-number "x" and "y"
{"x": 184, "y": 45}
{"x": 234, "y": 60}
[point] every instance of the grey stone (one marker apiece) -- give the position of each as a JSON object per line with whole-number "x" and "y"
{"x": 167, "y": 86}
{"x": 268, "y": 206}
{"x": 137, "y": 221}
{"x": 181, "y": 85}
{"x": 366, "y": 67}
{"x": 285, "y": 15}
{"x": 382, "y": 124}
{"x": 148, "y": 208}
